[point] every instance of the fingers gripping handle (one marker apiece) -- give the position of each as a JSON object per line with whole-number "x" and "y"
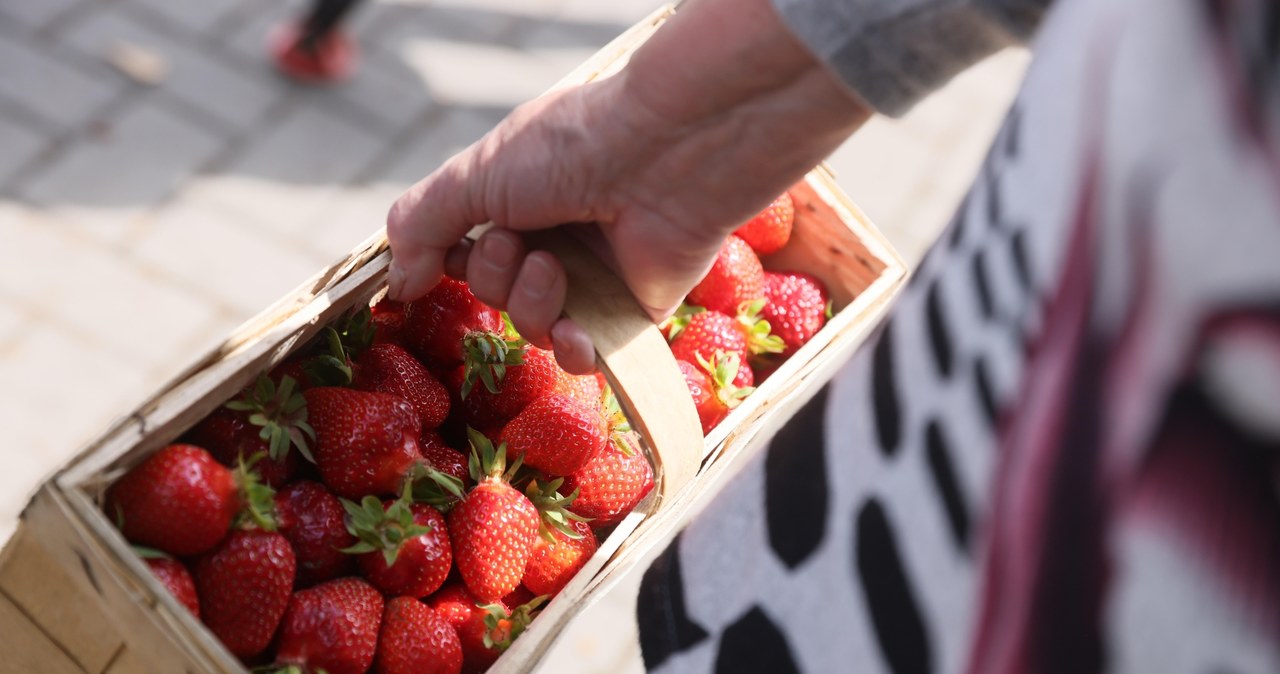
{"x": 635, "y": 359}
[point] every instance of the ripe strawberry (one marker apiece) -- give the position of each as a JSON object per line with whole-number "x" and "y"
{"x": 387, "y": 368}
{"x": 388, "y": 321}
{"x": 332, "y": 627}
{"x": 366, "y": 443}
{"x": 268, "y": 420}
{"x": 770, "y": 229}
{"x": 313, "y": 520}
{"x": 556, "y": 435}
{"x": 735, "y": 277}
{"x": 707, "y": 332}
{"x": 403, "y": 547}
{"x": 711, "y": 384}
{"x": 493, "y": 527}
{"x": 584, "y": 388}
{"x": 442, "y": 457}
{"x": 518, "y": 596}
{"x": 416, "y": 640}
{"x": 532, "y": 377}
{"x": 244, "y": 586}
{"x": 557, "y": 557}
{"x": 798, "y": 307}
{"x": 436, "y": 325}
{"x": 179, "y": 500}
{"x": 484, "y": 630}
{"x": 174, "y": 577}
{"x": 611, "y": 484}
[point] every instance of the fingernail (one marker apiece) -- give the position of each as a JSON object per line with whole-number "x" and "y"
{"x": 498, "y": 250}
{"x": 395, "y": 281}
{"x": 538, "y": 277}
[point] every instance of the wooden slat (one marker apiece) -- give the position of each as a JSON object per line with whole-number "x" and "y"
{"x": 56, "y": 602}
{"x": 24, "y": 649}
{"x": 128, "y": 662}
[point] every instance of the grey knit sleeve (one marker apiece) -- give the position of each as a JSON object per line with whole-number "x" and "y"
{"x": 894, "y": 52}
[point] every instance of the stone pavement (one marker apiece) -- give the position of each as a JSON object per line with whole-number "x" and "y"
{"x": 140, "y": 224}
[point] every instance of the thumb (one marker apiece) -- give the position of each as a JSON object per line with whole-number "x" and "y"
{"x": 426, "y": 221}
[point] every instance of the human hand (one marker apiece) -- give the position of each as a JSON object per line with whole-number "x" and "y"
{"x": 664, "y": 160}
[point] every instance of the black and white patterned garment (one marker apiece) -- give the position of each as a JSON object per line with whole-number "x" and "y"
{"x": 1060, "y": 452}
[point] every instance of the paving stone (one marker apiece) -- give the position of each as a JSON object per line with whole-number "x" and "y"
{"x": 226, "y": 257}
{"x": 21, "y": 145}
{"x": 35, "y": 14}
{"x": 384, "y": 89}
{"x": 282, "y": 178}
{"x": 623, "y": 13}
{"x": 457, "y": 22}
{"x": 457, "y": 128}
{"x": 495, "y": 75}
{"x": 232, "y": 96}
{"x": 352, "y": 216}
{"x": 135, "y": 161}
{"x": 96, "y": 293}
{"x": 518, "y": 8}
{"x": 197, "y": 15}
{"x": 63, "y": 95}
{"x": 12, "y": 319}
{"x": 249, "y": 40}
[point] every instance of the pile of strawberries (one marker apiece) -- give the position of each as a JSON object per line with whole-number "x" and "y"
{"x": 742, "y": 321}
{"x": 403, "y": 495}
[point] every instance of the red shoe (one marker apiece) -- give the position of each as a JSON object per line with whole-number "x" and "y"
{"x": 334, "y": 58}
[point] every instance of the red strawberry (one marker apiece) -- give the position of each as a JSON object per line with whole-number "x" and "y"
{"x": 557, "y": 557}
{"x": 735, "y": 277}
{"x": 436, "y": 324}
{"x": 230, "y": 438}
{"x": 711, "y": 384}
{"x": 584, "y": 388}
{"x": 770, "y": 229}
{"x": 484, "y": 630}
{"x": 493, "y": 527}
{"x": 556, "y": 435}
{"x": 531, "y": 376}
{"x": 707, "y": 332}
{"x": 244, "y": 586}
{"x": 415, "y": 640}
{"x": 179, "y": 500}
{"x": 611, "y": 484}
{"x": 176, "y": 579}
{"x": 403, "y": 547}
{"x": 313, "y": 520}
{"x": 388, "y": 368}
{"x": 797, "y": 307}
{"x": 442, "y": 457}
{"x": 268, "y": 420}
{"x": 518, "y": 596}
{"x": 388, "y": 321}
{"x": 332, "y": 627}
{"x": 366, "y": 443}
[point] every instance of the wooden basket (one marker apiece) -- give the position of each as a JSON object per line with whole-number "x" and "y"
{"x": 75, "y": 599}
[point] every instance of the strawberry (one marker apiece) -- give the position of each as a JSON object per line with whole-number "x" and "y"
{"x": 711, "y": 384}
{"x": 557, "y": 557}
{"x": 735, "y": 277}
{"x": 484, "y": 630}
{"x": 179, "y": 500}
{"x": 556, "y": 435}
{"x": 584, "y": 388}
{"x": 244, "y": 586}
{"x": 403, "y": 547}
{"x": 388, "y": 368}
{"x": 388, "y": 321}
{"x": 532, "y": 376}
{"x": 705, "y": 333}
{"x": 366, "y": 443}
{"x": 770, "y": 229}
{"x": 268, "y": 420}
{"x": 438, "y": 325}
{"x": 611, "y": 484}
{"x": 518, "y": 596}
{"x": 332, "y": 627}
{"x": 174, "y": 576}
{"x": 416, "y": 640}
{"x": 442, "y": 457}
{"x": 493, "y": 527}
{"x": 313, "y": 520}
{"x": 798, "y": 307}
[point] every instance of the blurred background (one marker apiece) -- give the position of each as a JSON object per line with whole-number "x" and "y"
{"x": 161, "y": 182}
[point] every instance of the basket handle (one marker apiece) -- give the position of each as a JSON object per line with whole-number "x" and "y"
{"x": 635, "y": 359}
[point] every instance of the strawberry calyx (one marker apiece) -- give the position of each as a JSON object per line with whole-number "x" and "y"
{"x": 674, "y": 324}
{"x": 281, "y": 413}
{"x": 723, "y": 368}
{"x": 502, "y": 627}
{"x": 379, "y": 529}
{"x": 257, "y": 499}
{"x": 342, "y": 345}
{"x": 285, "y": 669}
{"x": 759, "y": 334}
{"x": 552, "y": 508}
{"x": 487, "y": 462}
{"x": 144, "y": 552}
{"x": 486, "y": 357}
{"x": 619, "y": 425}
{"x": 432, "y": 487}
